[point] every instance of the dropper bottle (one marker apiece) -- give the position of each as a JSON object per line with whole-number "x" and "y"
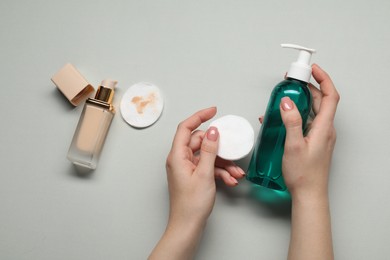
{"x": 265, "y": 168}
{"x": 93, "y": 126}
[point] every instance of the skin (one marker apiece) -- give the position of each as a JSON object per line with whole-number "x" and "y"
{"x": 305, "y": 166}
{"x": 192, "y": 166}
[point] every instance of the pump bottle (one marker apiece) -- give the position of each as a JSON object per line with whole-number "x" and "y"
{"x": 265, "y": 168}
{"x": 93, "y": 126}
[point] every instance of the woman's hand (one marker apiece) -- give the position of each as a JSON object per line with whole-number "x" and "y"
{"x": 306, "y": 160}
{"x": 192, "y": 166}
{"x": 305, "y": 167}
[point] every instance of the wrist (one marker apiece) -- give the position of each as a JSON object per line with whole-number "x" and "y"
{"x": 310, "y": 197}
{"x": 189, "y": 225}
{"x": 179, "y": 240}
{"x": 311, "y": 236}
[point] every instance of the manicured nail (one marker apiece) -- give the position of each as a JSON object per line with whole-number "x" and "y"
{"x": 287, "y": 104}
{"x": 241, "y": 171}
{"x": 234, "y": 180}
{"x": 212, "y": 134}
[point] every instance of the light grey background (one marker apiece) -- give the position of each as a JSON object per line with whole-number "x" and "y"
{"x": 200, "y": 53}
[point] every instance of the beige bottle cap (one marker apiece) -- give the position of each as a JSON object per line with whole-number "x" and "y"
{"x": 72, "y": 84}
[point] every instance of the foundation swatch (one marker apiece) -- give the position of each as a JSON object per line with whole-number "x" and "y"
{"x": 142, "y": 102}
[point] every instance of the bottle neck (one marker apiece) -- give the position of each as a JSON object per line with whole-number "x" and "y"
{"x": 104, "y": 94}
{"x": 297, "y": 80}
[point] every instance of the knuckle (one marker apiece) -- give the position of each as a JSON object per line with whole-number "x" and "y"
{"x": 293, "y": 147}
{"x": 168, "y": 161}
{"x": 180, "y": 126}
{"x": 332, "y": 135}
{"x": 330, "y": 129}
{"x": 293, "y": 121}
{"x": 336, "y": 96}
{"x": 209, "y": 148}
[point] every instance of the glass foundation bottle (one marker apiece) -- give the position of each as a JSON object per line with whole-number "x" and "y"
{"x": 93, "y": 126}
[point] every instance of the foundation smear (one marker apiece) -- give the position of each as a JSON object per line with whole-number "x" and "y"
{"x": 142, "y": 105}
{"x": 142, "y": 102}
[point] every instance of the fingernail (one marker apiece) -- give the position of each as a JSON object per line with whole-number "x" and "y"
{"x": 234, "y": 180}
{"x": 287, "y": 104}
{"x": 212, "y": 134}
{"x": 241, "y": 171}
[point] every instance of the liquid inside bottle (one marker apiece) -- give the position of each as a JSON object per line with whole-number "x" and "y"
{"x": 93, "y": 126}
{"x": 266, "y": 164}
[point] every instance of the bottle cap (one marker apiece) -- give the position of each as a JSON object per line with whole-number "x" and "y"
{"x": 236, "y": 137}
{"x": 72, "y": 84}
{"x": 300, "y": 69}
{"x": 142, "y": 105}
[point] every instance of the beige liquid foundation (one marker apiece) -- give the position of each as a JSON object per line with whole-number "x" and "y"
{"x": 93, "y": 126}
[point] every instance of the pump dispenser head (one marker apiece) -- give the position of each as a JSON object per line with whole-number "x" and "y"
{"x": 300, "y": 69}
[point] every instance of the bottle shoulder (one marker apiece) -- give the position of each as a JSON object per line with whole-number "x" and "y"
{"x": 289, "y": 82}
{"x": 291, "y": 86}
{"x": 296, "y": 90}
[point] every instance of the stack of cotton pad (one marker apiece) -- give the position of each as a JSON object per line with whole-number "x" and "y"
{"x": 142, "y": 105}
{"x": 236, "y": 137}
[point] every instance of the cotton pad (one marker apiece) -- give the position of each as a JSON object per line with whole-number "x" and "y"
{"x": 236, "y": 137}
{"x": 142, "y": 105}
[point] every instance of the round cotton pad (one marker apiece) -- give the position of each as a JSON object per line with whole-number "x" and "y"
{"x": 142, "y": 105}
{"x": 236, "y": 137}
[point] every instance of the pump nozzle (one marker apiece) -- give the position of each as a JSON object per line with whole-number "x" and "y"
{"x": 300, "y": 69}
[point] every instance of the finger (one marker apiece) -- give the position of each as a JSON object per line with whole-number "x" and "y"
{"x": 185, "y": 128}
{"x": 292, "y": 121}
{"x": 230, "y": 167}
{"x": 235, "y": 171}
{"x": 196, "y": 140}
{"x": 330, "y": 96}
{"x": 225, "y": 177}
{"x": 208, "y": 152}
{"x": 261, "y": 119}
{"x": 195, "y": 160}
{"x": 317, "y": 98}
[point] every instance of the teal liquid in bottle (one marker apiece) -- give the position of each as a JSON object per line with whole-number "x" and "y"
{"x": 266, "y": 164}
{"x": 265, "y": 168}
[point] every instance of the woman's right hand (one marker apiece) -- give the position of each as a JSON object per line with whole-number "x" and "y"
{"x": 305, "y": 167}
{"x": 306, "y": 159}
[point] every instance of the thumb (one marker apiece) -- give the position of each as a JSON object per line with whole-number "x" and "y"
{"x": 208, "y": 151}
{"x": 292, "y": 121}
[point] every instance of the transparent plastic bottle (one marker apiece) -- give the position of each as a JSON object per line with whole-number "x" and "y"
{"x": 265, "y": 167}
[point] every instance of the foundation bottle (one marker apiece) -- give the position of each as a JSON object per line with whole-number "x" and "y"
{"x": 265, "y": 168}
{"x": 93, "y": 126}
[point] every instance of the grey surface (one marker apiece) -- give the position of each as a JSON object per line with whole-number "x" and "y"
{"x": 200, "y": 53}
